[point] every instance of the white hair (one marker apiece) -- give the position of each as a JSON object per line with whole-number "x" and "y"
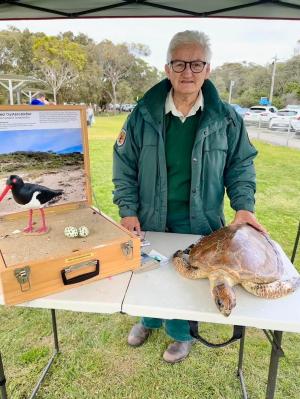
{"x": 190, "y": 37}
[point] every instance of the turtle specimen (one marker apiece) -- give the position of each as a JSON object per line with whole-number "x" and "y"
{"x": 236, "y": 254}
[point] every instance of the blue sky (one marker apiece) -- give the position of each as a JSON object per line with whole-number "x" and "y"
{"x": 233, "y": 40}
{"x": 58, "y": 140}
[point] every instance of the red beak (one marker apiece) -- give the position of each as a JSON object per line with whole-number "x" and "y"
{"x": 7, "y": 188}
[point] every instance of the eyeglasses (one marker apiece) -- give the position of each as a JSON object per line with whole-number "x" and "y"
{"x": 179, "y": 66}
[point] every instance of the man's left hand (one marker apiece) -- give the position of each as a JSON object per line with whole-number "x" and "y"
{"x": 248, "y": 217}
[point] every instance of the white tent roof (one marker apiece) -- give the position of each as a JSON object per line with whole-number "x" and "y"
{"x": 54, "y": 9}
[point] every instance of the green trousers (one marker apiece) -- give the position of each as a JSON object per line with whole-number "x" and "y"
{"x": 179, "y": 330}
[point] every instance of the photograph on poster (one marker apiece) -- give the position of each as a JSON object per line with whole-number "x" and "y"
{"x": 43, "y": 148}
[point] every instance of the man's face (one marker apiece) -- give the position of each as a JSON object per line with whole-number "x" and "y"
{"x": 187, "y": 82}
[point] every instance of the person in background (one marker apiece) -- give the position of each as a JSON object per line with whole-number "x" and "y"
{"x": 39, "y": 99}
{"x": 90, "y": 115}
{"x": 177, "y": 153}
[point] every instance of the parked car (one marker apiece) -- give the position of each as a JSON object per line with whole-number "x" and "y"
{"x": 286, "y": 118}
{"x": 240, "y": 110}
{"x": 110, "y": 107}
{"x": 260, "y": 114}
{"x": 295, "y": 123}
{"x": 293, "y": 106}
{"x": 127, "y": 107}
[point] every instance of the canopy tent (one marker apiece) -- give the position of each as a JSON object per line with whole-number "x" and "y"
{"x": 56, "y": 9}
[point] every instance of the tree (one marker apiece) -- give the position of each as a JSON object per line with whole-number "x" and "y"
{"x": 143, "y": 76}
{"x": 252, "y": 82}
{"x": 124, "y": 92}
{"x": 25, "y": 52}
{"x": 9, "y": 46}
{"x": 58, "y": 61}
{"x": 125, "y": 74}
{"x": 86, "y": 88}
{"x": 115, "y": 62}
{"x": 81, "y": 38}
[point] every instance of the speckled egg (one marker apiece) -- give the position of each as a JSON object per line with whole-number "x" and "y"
{"x": 83, "y": 231}
{"x": 71, "y": 232}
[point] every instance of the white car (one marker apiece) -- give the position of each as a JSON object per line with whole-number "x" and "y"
{"x": 296, "y": 125}
{"x": 295, "y": 122}
{"x": 261, "y": 114}
{"x": 286, "y": 119}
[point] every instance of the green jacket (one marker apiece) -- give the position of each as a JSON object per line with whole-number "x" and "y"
{"x": 222, "y": 158}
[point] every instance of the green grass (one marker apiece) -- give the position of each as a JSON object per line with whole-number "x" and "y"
{"x": 102, "y": 137}
{"x": 95, "y": 361}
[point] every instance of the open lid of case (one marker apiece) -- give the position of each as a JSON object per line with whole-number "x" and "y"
{"x": 46, "y": 146}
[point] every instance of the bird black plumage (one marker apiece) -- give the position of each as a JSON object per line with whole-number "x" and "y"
{"x": 31, "y": 196}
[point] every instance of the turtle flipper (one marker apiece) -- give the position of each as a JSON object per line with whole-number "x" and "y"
{"x": 184, "y": 268}
{"x": 276, "y": 289}
{"x": 188, "y": 249}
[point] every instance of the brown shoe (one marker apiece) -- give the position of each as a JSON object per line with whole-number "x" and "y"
{"x": 138, "y": 335}
{"x": 177, "y": 351}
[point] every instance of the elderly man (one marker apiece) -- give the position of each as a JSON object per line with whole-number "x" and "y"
{"x": 178, "y": 151}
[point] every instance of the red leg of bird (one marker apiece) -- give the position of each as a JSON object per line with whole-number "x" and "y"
{"x": 29, "y": 228}
{"x": 44, "y": 228}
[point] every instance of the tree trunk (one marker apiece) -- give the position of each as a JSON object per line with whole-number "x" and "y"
{"x": 54, "y": 95}
{"x": 114, "y": 96}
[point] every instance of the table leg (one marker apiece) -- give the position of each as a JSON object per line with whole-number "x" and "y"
{"x": 2, "y": 381}
{"x": 54, "y": 329}
{"x": 240, "y": 365}
{"x": 274, "y": 361}
{"x": 55, "y": 352}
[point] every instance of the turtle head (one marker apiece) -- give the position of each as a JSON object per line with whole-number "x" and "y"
{"x": 224, "y": 297}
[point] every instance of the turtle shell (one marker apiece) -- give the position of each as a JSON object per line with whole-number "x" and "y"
{"x": 240, "y": 251}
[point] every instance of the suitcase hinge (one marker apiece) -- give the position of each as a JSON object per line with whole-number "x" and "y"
{"x": 22, "y": 275}
{"x": 127, "y": 248}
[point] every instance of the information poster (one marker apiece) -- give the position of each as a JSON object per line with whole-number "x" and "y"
{"x": 43, "y": 147}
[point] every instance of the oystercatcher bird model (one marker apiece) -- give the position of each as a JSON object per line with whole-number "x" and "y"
{"x": 30, "y": 196}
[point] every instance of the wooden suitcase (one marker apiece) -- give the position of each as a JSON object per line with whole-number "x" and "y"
{"x": 33, "y": 266}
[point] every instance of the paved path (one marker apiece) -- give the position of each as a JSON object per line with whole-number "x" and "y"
{"x": 278, "y": 138}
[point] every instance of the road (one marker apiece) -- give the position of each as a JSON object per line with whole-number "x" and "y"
{"x": 274, "y": 137}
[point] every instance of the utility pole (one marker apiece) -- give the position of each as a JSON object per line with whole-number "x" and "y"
{"x": 230, "y": 90}
{"x": 273, "y": 79}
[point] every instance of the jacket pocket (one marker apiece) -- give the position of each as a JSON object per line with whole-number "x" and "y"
{"x": 215, "y": 142}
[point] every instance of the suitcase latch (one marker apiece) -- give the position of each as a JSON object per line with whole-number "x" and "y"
{"x": 127, "y": 248}
{"x": 22, "y": 275}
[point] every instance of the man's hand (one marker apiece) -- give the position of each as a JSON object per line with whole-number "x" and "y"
{"x": 132, "y": 224}
{"x": 248, "y": 217}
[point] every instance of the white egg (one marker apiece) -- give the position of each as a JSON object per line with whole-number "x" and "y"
{"x": 71, "y": 232}
{"x": 83, "y": 231}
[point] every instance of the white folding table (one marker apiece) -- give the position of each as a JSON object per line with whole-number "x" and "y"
{"x": 163, "y": 293}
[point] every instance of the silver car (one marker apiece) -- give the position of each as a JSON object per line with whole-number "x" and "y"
{"x": 260, "y": 114}
{"x": 286, "y": 119}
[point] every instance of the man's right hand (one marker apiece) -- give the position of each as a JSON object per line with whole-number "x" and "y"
{"x": 131, "y": 223}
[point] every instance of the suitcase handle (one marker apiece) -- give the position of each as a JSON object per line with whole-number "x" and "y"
{"x": 82, "y": 277}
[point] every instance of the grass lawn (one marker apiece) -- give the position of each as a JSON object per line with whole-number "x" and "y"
{"x": 95, "y": 361}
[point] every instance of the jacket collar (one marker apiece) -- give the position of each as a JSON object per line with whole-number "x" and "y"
{"x": 154, "y": 101}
